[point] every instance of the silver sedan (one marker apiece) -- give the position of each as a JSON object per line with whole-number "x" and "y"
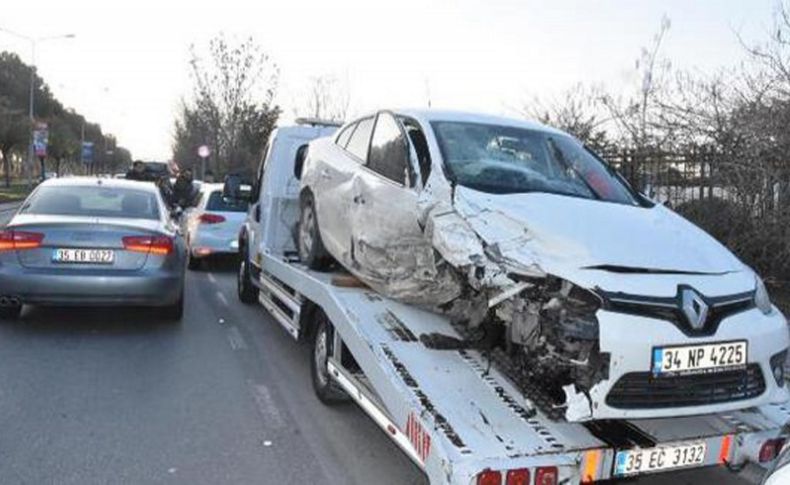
{"x": 87, "y": 241}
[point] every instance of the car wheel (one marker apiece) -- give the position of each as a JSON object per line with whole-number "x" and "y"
{"x": 174, "y": 312}
{"x": 326, "y": 389}
{"x": 10, "y": 312}
{"x": 194, "y": 263}
{"x": 246, "y": 290}
{"x": 311, "y": 247}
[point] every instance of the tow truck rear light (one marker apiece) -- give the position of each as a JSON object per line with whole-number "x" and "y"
{"x": 207, "y": 218}
{"x": 12, "y": 240}
{"x": 517, "y": 477}
{"x": 489, "y": 477}
{"x": 159, "y": 245}
{"x": 770, "y": 449}
{"x": 546, "y": 475}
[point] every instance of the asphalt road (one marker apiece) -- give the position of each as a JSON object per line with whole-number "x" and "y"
{"x": 116, "y": 396}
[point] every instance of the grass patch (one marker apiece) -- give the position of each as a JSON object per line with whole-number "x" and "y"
{"x": 17, "y": 191}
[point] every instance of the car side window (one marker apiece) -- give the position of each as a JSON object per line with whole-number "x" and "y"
{"x": 389, "y": 152}
{"x": 420, "y": 144}
{"x": 360, "y": 139}
{"x": 345, "y": 135}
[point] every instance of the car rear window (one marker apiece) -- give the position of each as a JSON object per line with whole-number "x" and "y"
{"x": 217, "y": 203}
{"x": 93, "y": 201}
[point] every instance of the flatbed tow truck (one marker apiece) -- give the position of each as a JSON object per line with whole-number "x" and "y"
{"x": 457, "y": 416}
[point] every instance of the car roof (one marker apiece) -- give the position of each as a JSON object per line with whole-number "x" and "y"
{"x": 429, "y": 115}
{"x": 99, "y": 182}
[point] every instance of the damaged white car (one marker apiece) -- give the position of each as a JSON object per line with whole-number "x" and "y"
{"x": 575, "y": 284}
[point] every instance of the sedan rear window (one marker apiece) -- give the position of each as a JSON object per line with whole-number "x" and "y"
{"x": 93, "y": 201}
{"x": 217, "y": 203}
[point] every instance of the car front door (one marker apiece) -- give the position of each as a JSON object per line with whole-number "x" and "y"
{"x": 388, "y": 242}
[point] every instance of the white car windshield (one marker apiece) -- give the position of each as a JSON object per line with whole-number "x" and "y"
{"x": 508, "y": 159}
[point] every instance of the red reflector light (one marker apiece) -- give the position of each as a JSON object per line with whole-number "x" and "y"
{"x": 546, "y": 475}
{"x": 207, "y": 218}
{"x": 770, "y": 449}
{"x": 489, "y": 477}
{"x": 517, "y": 477}
{"x": 12, "y": 240}
{"x": 159, "y": 245}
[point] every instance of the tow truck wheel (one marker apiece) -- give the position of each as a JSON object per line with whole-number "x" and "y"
{"x": 245, "y": 289}
{"x": 311, "y": 247}
{"x": 327, "y": 390}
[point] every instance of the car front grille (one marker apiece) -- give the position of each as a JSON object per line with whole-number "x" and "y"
{"x": 640, "y": 390}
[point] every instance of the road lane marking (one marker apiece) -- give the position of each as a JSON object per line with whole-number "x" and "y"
{"x": 222, "y": 298}
{"x": 235, "y": 339}
{"x": 267, "y": 408}
{"x": 212, "y": 278}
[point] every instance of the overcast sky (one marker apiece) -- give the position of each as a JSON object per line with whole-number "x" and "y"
{"x": 127, "y": 67}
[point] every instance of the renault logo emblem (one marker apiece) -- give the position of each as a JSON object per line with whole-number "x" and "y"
{"x": 694, "y": 308}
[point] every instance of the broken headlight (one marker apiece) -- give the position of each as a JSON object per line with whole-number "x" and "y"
{"x": 761, "y": 298}
{"x": 575, "y": 309}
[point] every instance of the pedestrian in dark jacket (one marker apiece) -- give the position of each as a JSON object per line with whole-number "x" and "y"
{"x": 137, "y": 172}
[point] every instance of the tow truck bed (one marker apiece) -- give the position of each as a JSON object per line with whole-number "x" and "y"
{"x": 456, "y": 415}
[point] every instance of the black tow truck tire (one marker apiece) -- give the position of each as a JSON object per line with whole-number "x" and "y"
{"x": 246, "y": 291}
{"x": 326, "y": 389}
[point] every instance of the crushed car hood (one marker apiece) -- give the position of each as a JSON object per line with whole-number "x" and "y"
{"x": 560, "y": 233}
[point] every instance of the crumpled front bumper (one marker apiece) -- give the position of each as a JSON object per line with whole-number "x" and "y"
{"x": 630, "y": 340}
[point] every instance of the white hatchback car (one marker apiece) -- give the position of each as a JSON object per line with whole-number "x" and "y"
{"x": 212, "y": 227}
{"x": 614, "y": 305}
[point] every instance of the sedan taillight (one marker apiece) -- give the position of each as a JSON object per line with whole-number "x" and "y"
{"x": 12, "y": 240}
{"x": 207, "y": 218}
{"x": 159, "y": 245}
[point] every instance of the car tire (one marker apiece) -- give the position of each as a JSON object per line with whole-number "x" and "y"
{"x": 174, "y": 312}
{"x": 10, "y": 312}
{"x": 247, "y": 292}
{"x": 194, "y": 264}
{"x": 326, "y": 389}
{"x": 311, "y": 247}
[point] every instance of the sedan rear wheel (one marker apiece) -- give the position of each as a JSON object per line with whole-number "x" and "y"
{"x": 311, "y": 247}
{"x": 174, "y": 312}
{"x": 11, "y": 312}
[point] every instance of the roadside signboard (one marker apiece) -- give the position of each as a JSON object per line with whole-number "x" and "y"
{"x": 40, "y": 139}
{"x": 87, "y": 152}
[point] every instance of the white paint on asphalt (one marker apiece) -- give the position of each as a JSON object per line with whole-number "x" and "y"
{"x": 222, "y": 298}
{"x": 235, "y": 339}
{"x": 266, "y": 406}
{"x": 211, "y": 278}
{"x": 267, "y": 443}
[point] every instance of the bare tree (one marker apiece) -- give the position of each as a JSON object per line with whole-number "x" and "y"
{"x": 578, "y": 111}
{"x": 232, "y": 107}
{"x": 326, "y": 97}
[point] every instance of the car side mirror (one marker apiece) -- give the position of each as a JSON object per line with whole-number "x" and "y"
{"x": 301, "y": 155}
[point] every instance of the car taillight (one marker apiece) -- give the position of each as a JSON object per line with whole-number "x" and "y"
{"x": 160, "y": 245}
{"x": 517, "y": 477}
{"x": 546, "y": 475}
{"x": 12, "y": 240}
{"x": 770, "y": 449}
{"x": 489, "y": 477}
{"x": 207, "y": 218}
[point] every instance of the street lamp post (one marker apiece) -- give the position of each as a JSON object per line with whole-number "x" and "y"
{"x": 31, "y": 104}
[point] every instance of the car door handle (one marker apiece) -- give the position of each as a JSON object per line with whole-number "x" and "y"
{"x": 325, "y": 174}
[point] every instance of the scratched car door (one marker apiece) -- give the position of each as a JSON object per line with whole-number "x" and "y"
{"x": 388, "y": 243}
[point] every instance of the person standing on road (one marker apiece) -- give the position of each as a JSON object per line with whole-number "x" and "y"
{"x": 183, "y": 189}
{"x": 137, "y": 172}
